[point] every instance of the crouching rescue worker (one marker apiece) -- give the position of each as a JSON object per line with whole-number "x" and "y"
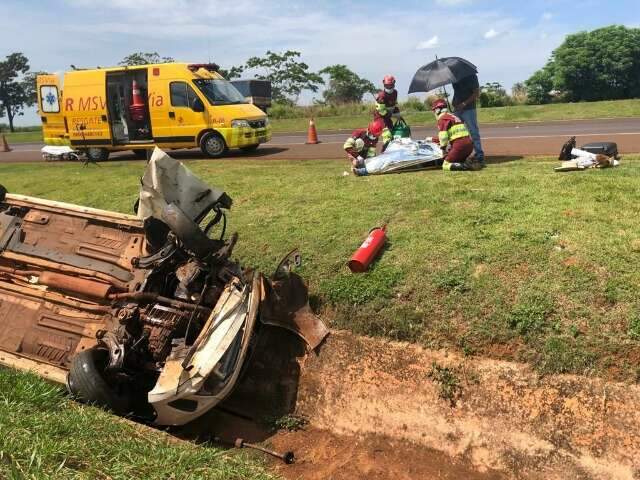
{"x": 362, "y": 145}
{"x": 454, "y": 139}
{"x": 387, "y": 105}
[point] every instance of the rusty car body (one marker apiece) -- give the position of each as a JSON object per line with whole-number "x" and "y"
{"x": 146, "y": 315}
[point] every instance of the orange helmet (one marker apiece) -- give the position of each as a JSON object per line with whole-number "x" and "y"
{"x": 389, "y": 81}
{"x": 438, "y": 104}
{"x": 375, "y": 128}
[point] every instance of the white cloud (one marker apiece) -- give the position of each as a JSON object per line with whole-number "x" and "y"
{"x": 431, "y": 43}
{"x": 547, "y": 16}
{"x": 491, "y": 34}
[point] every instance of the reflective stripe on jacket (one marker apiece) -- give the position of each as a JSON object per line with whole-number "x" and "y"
{"x": 369, "y": 149}
{"x": 387, "y": 103}
{"x": 450, "y": 128}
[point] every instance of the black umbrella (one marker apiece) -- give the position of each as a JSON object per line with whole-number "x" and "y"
{"x": 440, "y": 72}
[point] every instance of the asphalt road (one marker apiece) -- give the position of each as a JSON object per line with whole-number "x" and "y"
{"x": 499, "y": 140}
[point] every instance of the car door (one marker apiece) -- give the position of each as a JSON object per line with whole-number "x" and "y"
{"x": 183, "y": 105}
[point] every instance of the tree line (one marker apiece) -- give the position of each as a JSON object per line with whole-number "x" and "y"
{"x": 602, "y": 64}
{"x": 289, "y": 76}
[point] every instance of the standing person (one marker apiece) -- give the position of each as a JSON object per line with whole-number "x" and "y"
{"x": 362, "y": 143}
{"x": 387, "y": 105}
{"x": 465, "y": 93}
{"x": 453, "y": 138}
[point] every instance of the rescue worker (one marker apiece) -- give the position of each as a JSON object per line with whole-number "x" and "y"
{"x": 454, "y": 139}
{"x": 387, "y": 105}
{"x": 362, "y": 144}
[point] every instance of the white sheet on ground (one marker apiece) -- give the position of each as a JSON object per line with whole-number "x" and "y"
{"x": 586, "y": 159}
{"x": 59, "y": 152}
{"x": 402, "y": 154}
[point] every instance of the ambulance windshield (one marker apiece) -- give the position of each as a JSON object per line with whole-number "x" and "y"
{"x": 219, "y": 92}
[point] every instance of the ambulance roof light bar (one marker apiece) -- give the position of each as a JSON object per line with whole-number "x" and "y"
{"x": 212, "y": 67}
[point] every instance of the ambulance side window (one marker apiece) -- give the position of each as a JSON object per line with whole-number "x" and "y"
{"x": 182, "y": 95}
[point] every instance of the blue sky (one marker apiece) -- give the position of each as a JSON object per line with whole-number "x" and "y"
{"x": 507, "y": 40}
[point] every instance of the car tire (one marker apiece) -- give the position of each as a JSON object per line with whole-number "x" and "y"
{"x": 250, "y": 148}
{"x": 140, "y": 153}
{"x": 97, "y": 154}
{"x": 213, "y": 145}
{"x": 86, "y": 382}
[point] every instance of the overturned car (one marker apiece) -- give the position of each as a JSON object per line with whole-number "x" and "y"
{"x": 146, "y": 315}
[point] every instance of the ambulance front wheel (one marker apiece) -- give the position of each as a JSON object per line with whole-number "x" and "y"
{"x": 212, "y": 145}
{"x": 97, "y": 154}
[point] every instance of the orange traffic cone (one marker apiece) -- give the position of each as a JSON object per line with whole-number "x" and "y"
{"x": 312, "y": 134}
{"x": 136, "y": 109}
{"x": 5, "y": 145}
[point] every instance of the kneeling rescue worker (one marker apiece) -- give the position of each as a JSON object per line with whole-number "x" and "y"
{"x": 454, "y": 139}
{"x": 362, "y": 143}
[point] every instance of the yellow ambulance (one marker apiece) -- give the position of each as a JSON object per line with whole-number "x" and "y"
{"x": 171, "y": 105}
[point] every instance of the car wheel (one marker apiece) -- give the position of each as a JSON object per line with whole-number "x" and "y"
{"x": 140, "y": 153}
{"x": 213, "y": 145}
{"x": 250, "y": 148}
{"x": 97, "y": 154}
{"x": 86, "y": 382}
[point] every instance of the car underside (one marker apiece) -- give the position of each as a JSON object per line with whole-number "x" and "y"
{"x": 148, "y": 314}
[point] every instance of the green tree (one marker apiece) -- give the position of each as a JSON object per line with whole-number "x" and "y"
{"x": 345, "y": 86}
{"x": 232, "y": 72}
{"x": 519, "y": 92}
{"x": 540, "y": 84}
{"x": 289, "y": 77}
{"x": 603, "y": 64}
{"x": 17, "y": 89}
{"x": 144, "y": 58}
{"x": 493, "y": 95}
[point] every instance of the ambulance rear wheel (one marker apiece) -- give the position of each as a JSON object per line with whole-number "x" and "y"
{"x": 250, "y": 148}
{"x": 212, "y": 144}
{"x": 97, "y": 154}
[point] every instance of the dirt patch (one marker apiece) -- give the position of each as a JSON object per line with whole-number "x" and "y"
{"x": 383, "y": 410}
{"x": 322, "y": 455}
{"x": 506, "y": 419}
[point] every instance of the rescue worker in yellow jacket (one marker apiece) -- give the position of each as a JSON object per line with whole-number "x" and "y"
{"x": 454, "y": 139}
{"x": 363, "y": 142}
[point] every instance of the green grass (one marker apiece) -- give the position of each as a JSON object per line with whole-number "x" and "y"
{"x": 519, "y": 113}
{"x": 23, "y": 137}
{"x": 44, "y": 435}
{"x": 513, "y": 262}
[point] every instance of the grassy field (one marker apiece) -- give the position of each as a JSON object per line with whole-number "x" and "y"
{"x": 23, "y": 137}
{"x": 513, "y": 262}
{"x": 520, "y": 113}
{"x": 44, "y": 435}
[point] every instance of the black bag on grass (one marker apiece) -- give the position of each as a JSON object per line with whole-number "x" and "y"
{"x": 610, "y": 149}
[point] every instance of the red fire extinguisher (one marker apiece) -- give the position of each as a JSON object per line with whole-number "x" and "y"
{"x": 369, "y": 249}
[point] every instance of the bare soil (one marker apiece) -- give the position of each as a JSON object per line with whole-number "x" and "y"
{"x": 376, "y": 411}
{"x": 506, "y": 419}
{"x": 323, "y": 455}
